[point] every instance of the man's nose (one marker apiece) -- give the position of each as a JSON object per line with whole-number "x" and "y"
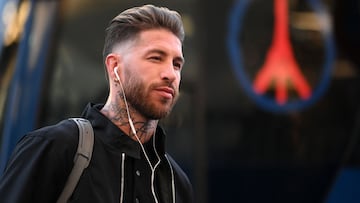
{"x": 168, "y": 72}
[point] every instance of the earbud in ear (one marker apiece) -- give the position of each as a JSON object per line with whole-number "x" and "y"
{"x": 116, "y": 73}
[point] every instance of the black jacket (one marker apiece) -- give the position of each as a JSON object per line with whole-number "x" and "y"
{"x": 43, "y": 159}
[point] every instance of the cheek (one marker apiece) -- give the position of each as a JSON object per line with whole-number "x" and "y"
{"x": 178, "y": 79}
{"x": 178, "y": 75}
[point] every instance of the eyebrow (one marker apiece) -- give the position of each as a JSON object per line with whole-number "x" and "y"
{"x": 163, "y": 53}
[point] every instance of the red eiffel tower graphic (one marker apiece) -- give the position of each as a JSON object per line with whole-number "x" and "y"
{"x": 281, "y": 67}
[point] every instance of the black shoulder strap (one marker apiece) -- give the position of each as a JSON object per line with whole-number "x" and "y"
{"x": 82, "y": 157}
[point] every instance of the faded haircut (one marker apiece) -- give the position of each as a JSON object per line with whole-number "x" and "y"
{"x": 128, "y": 24}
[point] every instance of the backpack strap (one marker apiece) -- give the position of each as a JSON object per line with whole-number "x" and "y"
{"x": 82, "y": 157}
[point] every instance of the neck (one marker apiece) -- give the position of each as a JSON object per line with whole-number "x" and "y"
{"x": 117, "y": 113}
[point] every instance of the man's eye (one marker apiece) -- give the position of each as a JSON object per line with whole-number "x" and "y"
{"x": 178, "y": 66}
{"x": 155, "y": 58}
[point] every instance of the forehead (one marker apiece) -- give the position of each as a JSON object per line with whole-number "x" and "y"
{"x": 158, "y": 39}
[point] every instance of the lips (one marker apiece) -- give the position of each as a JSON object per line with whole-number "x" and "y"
{"x": 166, "y": 91}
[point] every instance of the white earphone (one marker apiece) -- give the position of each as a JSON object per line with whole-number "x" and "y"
{"x": 127, "y": 108}
{"x": 132, "y": 127}
{"x": 116, "y": 74}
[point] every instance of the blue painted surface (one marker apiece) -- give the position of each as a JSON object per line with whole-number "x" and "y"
{"x": 346, "y": 187}
{"x": 22, "y": 104}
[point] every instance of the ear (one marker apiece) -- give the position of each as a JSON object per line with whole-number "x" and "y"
{"x": 111, "y": 62}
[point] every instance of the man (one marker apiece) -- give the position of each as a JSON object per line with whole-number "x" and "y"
{"x": 143, "y": 59}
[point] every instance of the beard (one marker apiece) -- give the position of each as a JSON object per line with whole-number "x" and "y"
{"x": 139, "y": 98}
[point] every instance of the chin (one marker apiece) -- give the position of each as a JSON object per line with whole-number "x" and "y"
{"x": 160, "y": 113}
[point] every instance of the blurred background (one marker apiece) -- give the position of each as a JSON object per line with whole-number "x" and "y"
{"x": 270, "y": 93}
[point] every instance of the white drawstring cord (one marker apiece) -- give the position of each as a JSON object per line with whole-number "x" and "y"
{"x": 122, "y": 177}
{"x": 172, "y": 180}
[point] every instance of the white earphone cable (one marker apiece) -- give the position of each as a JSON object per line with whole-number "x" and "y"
{"x": 132, "y": 127}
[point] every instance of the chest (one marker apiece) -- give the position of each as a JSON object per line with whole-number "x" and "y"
{"x": 120, "y": 178}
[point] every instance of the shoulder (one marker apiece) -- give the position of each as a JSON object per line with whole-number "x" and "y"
{"x": 51, "y": 145}
{"x": 61, "y": 133}
{"x": 43, "y": 158}
{"x": 55, "y": 139}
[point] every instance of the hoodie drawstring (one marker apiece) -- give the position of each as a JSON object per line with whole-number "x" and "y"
{"x": 122, "y": 177}
{"x": 172, "y": 179}
{"x": 152, "y": 184}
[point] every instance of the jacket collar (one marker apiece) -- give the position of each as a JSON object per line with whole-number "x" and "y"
{"x": 115, "y": 138}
